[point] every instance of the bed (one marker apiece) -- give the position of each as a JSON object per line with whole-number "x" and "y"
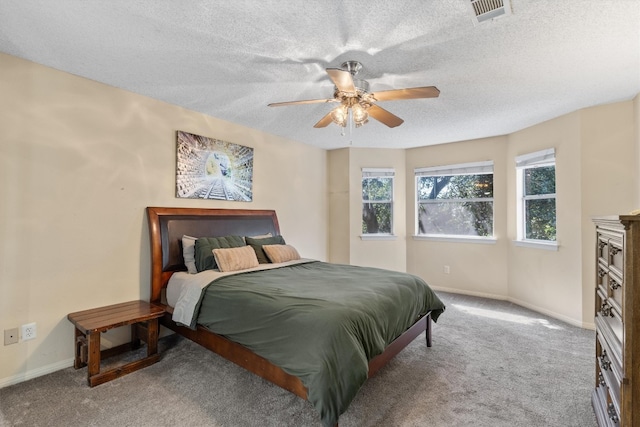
{"x": 168, "y": 226}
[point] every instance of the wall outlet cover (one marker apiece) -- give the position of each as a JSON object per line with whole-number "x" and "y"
{"x": 28, "y": 331}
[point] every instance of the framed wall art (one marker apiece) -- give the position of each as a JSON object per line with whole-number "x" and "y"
{"x": 209, "y": 168}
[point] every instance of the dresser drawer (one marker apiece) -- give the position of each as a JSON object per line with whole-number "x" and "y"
{"x": 611, "y": 249}
{"x": 616, "y": 253}
{"x": 603, "y": 248}
{"x": 608, "y": 346}
{"x": 603, "y": 407}
{"x": 615, "y": 288}
{"x": 607, "y": 378}
{"x": 608, "y": 313}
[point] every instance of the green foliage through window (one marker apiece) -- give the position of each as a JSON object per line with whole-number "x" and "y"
{"x": 377, "y": 205}
{"x": 455, "y": 205}
{"x": 539, "y": 203}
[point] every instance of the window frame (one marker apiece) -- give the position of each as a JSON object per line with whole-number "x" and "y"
{"x": 473, "y": 168}
{"x": 388, "y": 173}
{"x": 537, "y": 159}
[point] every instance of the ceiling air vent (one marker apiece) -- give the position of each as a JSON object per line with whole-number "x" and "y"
{"x": 487, "y": 10}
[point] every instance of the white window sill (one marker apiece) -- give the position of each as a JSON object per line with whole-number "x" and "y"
{"x": 457, "y": 239}
{"x": 537, "y": 244}
{"x": 378, "y": 236}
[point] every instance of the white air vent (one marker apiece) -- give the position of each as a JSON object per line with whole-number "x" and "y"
{"x": 487, "y": 10}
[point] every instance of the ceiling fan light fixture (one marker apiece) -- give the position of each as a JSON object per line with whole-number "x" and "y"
{"x": 340, "y": 115}
{"x": 357, "y": 103}
{"x": 359, "y": 114}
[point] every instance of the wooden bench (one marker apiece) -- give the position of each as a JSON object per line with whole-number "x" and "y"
{"x": 143, "y": 318}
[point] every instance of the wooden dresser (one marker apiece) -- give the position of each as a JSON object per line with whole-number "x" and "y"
{"x": 616, "y": 398}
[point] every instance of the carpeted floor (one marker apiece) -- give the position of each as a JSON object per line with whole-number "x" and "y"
{"x": 492, "y": 364}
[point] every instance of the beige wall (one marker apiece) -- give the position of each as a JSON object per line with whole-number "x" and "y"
{"x": 596, "y": 169}
{"x": 339, "y": 235}
{"x": 610, "y": 179}
{"x": 475, "y": 268}
{"x": 345, "y": 210}
{"x": 550, "y": 281}
{"x": 389, "y": 254}
{"x": 79, "y": 162}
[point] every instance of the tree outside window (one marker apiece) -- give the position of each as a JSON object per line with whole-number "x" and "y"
{"x": 537, "y": 196}
{"x": 455, "y": 200}
{"x": 540, "y": 203}
{"x": 377, "y": 201}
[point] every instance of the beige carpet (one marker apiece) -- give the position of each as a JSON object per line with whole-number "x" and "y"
{"x": 492, "y": 364}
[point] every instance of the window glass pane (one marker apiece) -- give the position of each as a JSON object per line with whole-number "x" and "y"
{"x": 455, "y": 187}
{"x": 540, "y": 180}
{"x": 540, "y": 222}
{"x": 377, "y": 188}
{"x": 456, "y": 218}
{"x": 376, "y": 218}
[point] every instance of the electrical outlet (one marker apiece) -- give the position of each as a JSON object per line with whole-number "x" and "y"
{"x": 446, "y": 269}
{"x": 10, "y": 336}
{"x": 28, "y": 331}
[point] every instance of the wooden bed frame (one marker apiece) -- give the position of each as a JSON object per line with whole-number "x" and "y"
{"x": 166, "y": 228}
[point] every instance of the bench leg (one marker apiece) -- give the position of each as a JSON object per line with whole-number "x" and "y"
{"x": 94, "y": 356}
{"x": 152, "y": 337}
{"x": 80, "y": 357}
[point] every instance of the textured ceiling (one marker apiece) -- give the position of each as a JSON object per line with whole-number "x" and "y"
{"x": 229, "y": 59}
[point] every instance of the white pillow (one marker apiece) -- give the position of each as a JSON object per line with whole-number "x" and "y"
{"x": 260, "y": 236}
{"x": 189, "y": 253}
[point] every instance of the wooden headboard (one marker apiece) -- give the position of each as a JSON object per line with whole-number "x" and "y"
{"x": 168, "y": 225}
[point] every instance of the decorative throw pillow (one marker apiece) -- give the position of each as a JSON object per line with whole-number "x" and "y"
{"x": 234, "y": 259}
{"x": 189, "y": 253}
{"x": 205, "y": 246}
{"x": 281, "y": 253}
{"x": 257, "y": 244}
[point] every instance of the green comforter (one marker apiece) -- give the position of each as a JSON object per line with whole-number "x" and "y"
{"x": 318, "y": 321}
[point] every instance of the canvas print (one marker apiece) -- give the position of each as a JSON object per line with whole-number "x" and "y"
{"x": 209, "y": 168}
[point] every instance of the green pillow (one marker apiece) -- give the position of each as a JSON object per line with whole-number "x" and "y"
{"x": 206, "y": 245}
{"x": 257, "y": 244}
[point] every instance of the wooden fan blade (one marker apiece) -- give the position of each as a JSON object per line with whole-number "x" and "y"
{"x": 383, "y": 116}
{"x": 342, "y": 79}
{"x": 309, "y": 101}
{"x": 324, "y": 122}
{"x": 409, "y": 93}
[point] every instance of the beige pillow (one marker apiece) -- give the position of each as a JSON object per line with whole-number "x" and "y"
{"x": 234, "y": 259}
{"x": 281, "y": 253}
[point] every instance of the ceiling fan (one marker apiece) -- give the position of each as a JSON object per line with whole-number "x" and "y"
{"x": 357, "y": 102}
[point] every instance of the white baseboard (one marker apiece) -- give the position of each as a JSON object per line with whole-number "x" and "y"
{"x": 470, "y": 293}
{"x": 34, "y": 373}
{"x": 555, "y": 315}
{"x": 535, "y": 308}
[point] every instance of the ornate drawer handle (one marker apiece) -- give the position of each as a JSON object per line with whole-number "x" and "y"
{"x": 601, "y": 244}
{"x": 601, "y": 273}
{"x": 604, "y": 361}
{"x": 614, "y": 285}
{"x": 601, "y": 379}
{"x": 605, "y": 310}
{"x": 613, "y": 415}
{"x": 614, "y": 250}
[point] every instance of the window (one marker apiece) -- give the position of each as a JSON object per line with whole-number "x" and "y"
{"x": 455, "y": 200}
{"x": 377, "y": 201}
{"x": 536, "y": 177}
